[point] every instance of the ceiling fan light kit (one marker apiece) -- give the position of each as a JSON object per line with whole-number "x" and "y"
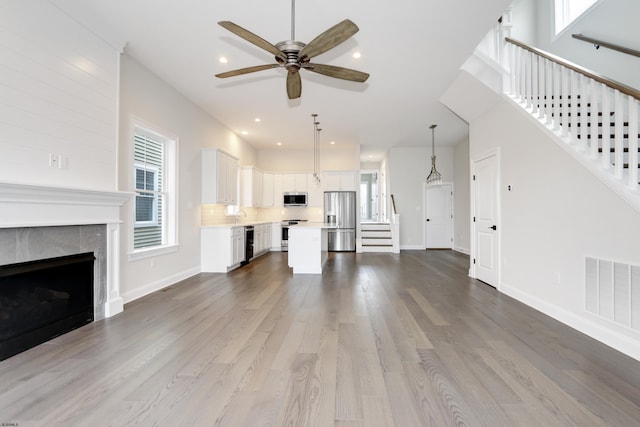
{"x": 434, "y": 179}
{"x": 294, "y": 55}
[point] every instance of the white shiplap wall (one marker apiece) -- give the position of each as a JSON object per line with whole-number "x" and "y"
{"x": 58, "y": 95}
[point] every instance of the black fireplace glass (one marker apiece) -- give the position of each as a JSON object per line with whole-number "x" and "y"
{"x": 42, "y": 299}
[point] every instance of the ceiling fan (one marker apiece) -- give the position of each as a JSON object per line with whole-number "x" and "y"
{"x": 294, "y": 55}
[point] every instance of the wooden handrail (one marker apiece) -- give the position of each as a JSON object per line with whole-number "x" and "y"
{"x": 608, "y": 45}
{"x": 627, "y": 90}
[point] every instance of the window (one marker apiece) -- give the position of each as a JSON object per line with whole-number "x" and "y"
{"x": 568, "y": 11}
{"x": 154, "y": 213}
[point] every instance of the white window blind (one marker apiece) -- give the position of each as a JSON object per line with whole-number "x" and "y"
{"x": 149, "y": 164}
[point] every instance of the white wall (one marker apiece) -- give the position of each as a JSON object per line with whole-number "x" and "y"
{"x": 614, "y": 21}
{"x": 408, "y": 170}
{"x": 59, "y": 89}
{"x": 146, "y": 97}
{"x": 556, "y": 214}
{"x": 288, "y": 160}
{"x": 461, "y": 197}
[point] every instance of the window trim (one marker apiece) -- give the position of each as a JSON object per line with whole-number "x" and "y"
{"x": 560, "y": 7}
{"x": 170, "y": 241}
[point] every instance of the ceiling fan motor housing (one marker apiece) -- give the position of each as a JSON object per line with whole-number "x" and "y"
{"x": 291, "y": 49}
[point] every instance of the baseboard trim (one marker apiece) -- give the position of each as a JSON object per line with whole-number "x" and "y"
{"x": 411, "y": 248}
{"x": 158, "y": 285}
{"x": 586, "y": 325}
{"x": 462, "y": 250}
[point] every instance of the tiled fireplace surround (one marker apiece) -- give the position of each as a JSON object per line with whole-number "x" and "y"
{"x": 38, "y": 222}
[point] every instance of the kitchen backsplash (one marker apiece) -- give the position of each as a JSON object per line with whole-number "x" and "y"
{"x": 217, "y": 214}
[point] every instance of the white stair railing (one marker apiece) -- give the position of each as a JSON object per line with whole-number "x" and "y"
{"x": 595, "y": 115}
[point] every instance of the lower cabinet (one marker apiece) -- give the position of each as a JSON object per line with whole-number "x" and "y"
{"x": 262, "y": 239}
{"x": 221, "y": 248}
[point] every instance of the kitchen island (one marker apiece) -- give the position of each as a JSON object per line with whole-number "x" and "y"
{"x": 308, "y": 247}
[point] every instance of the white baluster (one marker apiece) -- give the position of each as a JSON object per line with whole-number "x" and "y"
{"x": 595, "y": 108}
{"x": 548, "y": 66}
{"x": 512, "y": 69}
{"x": 535, "y": 92}
{"x": 523, "y": 75}
{"x": 633, "y": 143}
{"x": 573, "y": 105}
{"x": 565, "y": 100}
{"x": 529, "y": 80}
{"x": 542, "y": 88}
{"x": 606, "y": 130}
{"x": 619, "y": 135}
{"x": 584, "y": 112}
{"x": 557, "y": 94}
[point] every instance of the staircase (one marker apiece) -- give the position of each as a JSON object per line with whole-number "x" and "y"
{"x": 594, "y": 119}
{"x": 376, "y": 237}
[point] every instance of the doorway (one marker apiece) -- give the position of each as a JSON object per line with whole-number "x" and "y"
{"x": 369, "y": 196}
{"x": 438, "y": 210}
{"x": 485, "y": 226}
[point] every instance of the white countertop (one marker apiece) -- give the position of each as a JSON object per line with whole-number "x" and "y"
{"x": 240, "y": 224}
{"x": 313, "y": 225}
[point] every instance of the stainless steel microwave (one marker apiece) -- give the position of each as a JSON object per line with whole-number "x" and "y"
{"x": 294, "y": 199}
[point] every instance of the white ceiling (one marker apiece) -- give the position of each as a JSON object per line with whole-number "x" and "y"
{"x": 411, "y": 48}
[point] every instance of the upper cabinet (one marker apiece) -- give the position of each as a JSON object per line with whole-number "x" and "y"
{"x": 251, "y": 186}
{"x": 340, "y": 181}
{"x": 294, "y": 182}
{"x": 219, "y": 177}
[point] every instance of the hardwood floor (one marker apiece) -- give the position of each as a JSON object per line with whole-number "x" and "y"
{"x": 378, "y": 340}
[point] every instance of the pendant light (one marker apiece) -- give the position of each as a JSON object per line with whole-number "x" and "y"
{"x": 434, "y": 179}
{"x": 316, "y": 148}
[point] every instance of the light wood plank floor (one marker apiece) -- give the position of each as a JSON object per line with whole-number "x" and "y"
{"x": 378, "y": 340}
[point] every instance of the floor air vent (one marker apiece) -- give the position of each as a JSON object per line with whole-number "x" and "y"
{"x": 612, "y": 291}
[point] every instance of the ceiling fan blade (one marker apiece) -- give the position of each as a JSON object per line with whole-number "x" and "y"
{"x": 252, "y": 38}
{"x": 294, "y": 85}
{"x": 329, "y": 39}
{"x": 246, "y": 70}
{"x": 337, "y": 72}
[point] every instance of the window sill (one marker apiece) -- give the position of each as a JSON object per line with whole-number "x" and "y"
{"x": 151, "y": 252}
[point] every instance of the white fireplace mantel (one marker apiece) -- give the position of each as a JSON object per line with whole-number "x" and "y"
{"x": 24, "y": 205}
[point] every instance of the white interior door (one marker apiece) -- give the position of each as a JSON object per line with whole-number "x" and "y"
{"x": 486, "y": 219}
{"x": 439, "y": 217}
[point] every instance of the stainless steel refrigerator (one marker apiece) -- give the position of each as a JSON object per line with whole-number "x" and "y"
{"x": 340, "y": 210}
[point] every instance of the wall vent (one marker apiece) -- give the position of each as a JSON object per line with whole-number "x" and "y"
{"x": 612, "y": 291}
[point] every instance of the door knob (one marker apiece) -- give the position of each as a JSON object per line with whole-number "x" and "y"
{"x": 493, "y": 227}
{"x": 428, "y": 220}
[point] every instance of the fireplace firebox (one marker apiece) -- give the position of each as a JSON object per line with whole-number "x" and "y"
{"x": 42, "y": 299}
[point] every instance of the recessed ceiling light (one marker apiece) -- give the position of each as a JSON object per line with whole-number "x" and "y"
{"x": 278, "y": 144}
{"x": 371, "y": 156}
{"x": 332, "y": 143}
{"x": 257, "y": 120}
{"x": 356, "y": 55}
{"x": 244, "y": 132}
{"x": 223, "y": 60}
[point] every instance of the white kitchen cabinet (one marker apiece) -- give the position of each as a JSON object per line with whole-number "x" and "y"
{"x": 315, "y": 191}
{"x": 261, "y": 239}
{"x": 251, "y": 186}
{"x": 277, "y": 189}
{"x": 219, "y": 177}
{"x": 268, "y": 200}
{"x": 276, "y": 236}
{"x": 221, "y": 248}
{"x": 237, "y": 245}
{"x": 340, "y": 180}
{"x": 294, "y": 182}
